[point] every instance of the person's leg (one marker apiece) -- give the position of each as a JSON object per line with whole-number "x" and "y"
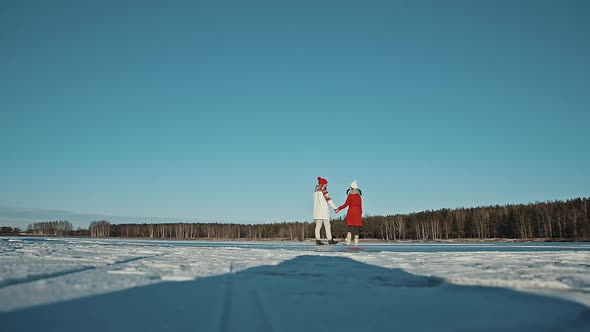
{"x": 329, "y": 232}
{"x": 328, "y": 228}
{"x": 349, "y": 235}
{"x": 356, "y": 231}
{"x": 318, "y": 227}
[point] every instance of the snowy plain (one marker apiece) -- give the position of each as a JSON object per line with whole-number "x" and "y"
{"x": 121, "y": 285}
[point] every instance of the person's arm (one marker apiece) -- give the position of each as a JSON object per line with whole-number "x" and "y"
{"x": 346, "y": 204}
{"x": 328, "y": 199}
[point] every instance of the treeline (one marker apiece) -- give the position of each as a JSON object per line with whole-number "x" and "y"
{"x": 287, "y": 230}
{"x": 7, "y": 230}
{"x": 549, "y": 220}
{"x": 54, "y": 228}
{"x": 557, "y": 220}
{"x": 100, "y": 228}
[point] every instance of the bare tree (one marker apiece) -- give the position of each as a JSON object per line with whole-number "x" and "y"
{"x": 482, "y": 219}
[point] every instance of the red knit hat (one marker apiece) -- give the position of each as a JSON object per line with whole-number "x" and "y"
{"x": 322, "y": 181}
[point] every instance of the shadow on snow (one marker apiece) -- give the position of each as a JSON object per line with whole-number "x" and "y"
{"x": 307, "y": 293}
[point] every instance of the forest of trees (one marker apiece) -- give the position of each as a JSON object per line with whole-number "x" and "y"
{"x": 286, "y": 230}
{"x": 100, "y": 228}
{"x": 7, "y": 230}
{"x": 55, "y": 228}
{"x": 548, "y": 220}
{"x": 554, "y": 220}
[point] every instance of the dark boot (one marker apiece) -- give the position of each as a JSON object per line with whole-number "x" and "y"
{"x": 332, "y": 241}
{"x": 319, "y": 243}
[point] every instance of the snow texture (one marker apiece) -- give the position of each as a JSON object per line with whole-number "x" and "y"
{"x": 121, "y": 285}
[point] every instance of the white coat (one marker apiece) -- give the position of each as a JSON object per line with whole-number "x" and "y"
{"x": 321, "y": 199}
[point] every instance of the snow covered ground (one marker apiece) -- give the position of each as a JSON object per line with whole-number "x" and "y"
{"x": 120, "y": 285}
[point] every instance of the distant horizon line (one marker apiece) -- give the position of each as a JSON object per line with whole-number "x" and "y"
{"x": 32, "y": 215}
{"x": 90, "y": 217}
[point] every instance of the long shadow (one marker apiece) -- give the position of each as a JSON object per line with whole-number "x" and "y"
{"x": 307, "y": 293}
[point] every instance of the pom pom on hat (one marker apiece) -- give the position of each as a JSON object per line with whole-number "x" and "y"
{"x": 353, "y": 185}
{"x": 322, "y": 181}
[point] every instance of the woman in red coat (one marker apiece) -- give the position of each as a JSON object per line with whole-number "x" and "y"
{"x": 354, "y": 219}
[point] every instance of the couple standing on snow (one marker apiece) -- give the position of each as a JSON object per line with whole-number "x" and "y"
{"x": 321, "y": 213}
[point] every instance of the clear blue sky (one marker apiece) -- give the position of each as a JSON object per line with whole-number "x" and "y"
{"x": 229, "y": 110}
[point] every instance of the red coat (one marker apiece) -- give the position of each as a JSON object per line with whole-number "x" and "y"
{"x": 355, "y": 210}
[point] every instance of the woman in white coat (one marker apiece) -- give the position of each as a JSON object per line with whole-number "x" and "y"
{"x": 321, "y": 212}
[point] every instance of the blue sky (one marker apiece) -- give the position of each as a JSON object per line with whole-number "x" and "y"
{"x": 230, "y": 110}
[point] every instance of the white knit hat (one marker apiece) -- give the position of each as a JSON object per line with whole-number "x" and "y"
{"x": 353, "y": 185}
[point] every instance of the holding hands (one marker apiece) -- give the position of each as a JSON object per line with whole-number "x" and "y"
{"x": 336, "y": 210}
